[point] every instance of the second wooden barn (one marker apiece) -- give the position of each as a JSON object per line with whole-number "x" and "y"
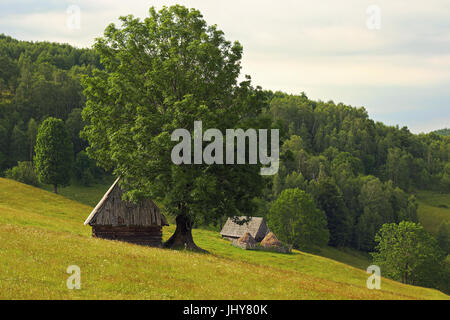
{"x": 257, "y": 228}
{"x": 115, "y": 219}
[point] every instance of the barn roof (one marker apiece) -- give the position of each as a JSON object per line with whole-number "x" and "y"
{"x": 112, "y": 210}
{"x": 256, "y": 227}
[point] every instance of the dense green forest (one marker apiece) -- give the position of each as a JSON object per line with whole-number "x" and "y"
{"x": 39, "y": 80}
{"x": 358, "y": 172}
{"x": 334, "y": 151}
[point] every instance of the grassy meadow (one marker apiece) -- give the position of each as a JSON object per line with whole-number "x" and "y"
{"x": 89, "y": 195}
{"x": 41, "y": 234}
{"x": 433, "y": 209}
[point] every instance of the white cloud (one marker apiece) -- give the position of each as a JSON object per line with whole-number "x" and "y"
{"x": 359, "y": 70}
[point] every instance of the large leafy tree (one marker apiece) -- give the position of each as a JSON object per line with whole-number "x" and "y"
{"x": 406, "y": 252}
{"x": 295, "y": 218}
{"x": 54, "y": 153}
{"x": 161, "y": 74}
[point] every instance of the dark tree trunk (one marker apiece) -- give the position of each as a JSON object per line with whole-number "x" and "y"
{"x": 55, "y": 188}
{"x": 182, "y": 238}
{"x": 405, "y": 275}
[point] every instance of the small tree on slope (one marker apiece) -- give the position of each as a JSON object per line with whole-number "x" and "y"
{"x": 406, "y": 252}
{"x": 54, "y": 153}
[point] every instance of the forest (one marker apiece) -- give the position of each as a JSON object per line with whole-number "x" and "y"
{"x": 37, "y": 81}
{"x": 358, "y": 173}
{"x": 443, "y": 132}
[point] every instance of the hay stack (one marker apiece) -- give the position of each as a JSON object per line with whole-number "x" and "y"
{"x": 271, "y": 241}
{"x": 247, "y": 239}
{"x": 245, "y": 242}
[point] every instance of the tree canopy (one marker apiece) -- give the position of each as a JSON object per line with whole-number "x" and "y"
{"x": 54, "y": 153}
{"x": 406, "y": 252}
{"x": 296, "y": 220}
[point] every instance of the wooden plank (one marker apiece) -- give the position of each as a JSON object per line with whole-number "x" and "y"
{"x": 148, "y": 236}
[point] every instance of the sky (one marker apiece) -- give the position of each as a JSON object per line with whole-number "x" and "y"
{"x": 391, "y": 57}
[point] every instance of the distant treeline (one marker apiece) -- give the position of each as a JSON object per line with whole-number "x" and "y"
{"x": 443, "y": 132}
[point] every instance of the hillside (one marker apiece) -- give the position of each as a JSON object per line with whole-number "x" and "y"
{"x": 434, "y": 208}
{"x": 41, "y": 234}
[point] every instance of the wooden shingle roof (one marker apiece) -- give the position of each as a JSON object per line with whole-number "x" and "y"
{"x": 257, "y": 227}
{"x": 113, "y": 211}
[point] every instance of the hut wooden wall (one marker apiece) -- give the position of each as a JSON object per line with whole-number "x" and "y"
{"x": 147, "y": 236}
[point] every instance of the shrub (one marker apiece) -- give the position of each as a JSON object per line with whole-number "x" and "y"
{"x": 24, "y": 172}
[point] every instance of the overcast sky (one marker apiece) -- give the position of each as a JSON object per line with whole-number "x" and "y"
{"x": 398, "y": 69}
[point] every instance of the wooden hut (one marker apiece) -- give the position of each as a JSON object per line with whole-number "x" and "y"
{"x": 257, "y": 228}
{"x": 115, "y": 219}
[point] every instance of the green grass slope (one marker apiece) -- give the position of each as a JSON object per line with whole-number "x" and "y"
{"x": 41, "y": 234}
{"x": 88, "y": 195}
{"x": 433, "y": 209}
